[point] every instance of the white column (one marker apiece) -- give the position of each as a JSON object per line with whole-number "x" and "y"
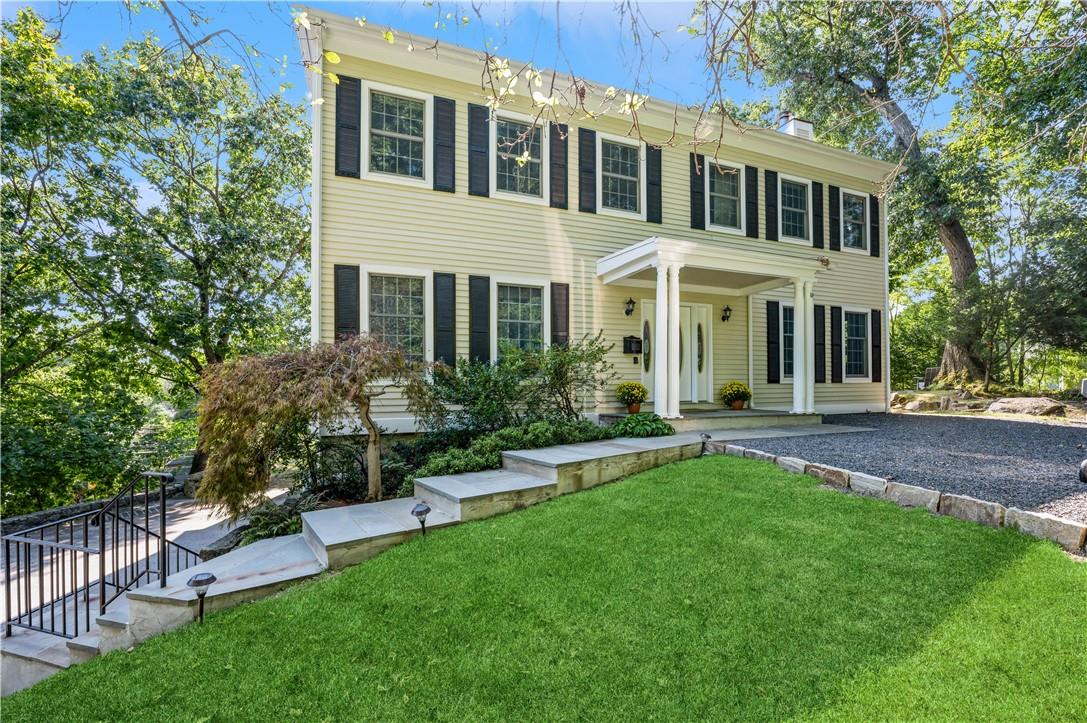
{"x": 673, "y": 341}
{"x": 809, "y": 354}
{"x": 799, "y": 347}
{"x": 660, "y": 344}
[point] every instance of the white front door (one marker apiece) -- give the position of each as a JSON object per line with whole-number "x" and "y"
{"x": 694, "y": 351}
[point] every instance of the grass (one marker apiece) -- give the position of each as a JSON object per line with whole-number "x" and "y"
{"x": 715, "y": 588}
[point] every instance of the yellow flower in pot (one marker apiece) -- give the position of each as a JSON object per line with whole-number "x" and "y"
{"x": 632, "y": 394}
{"x": 735, "y": 394}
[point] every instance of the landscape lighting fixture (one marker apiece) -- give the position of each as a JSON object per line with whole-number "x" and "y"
{"x": 200, "y": 582}
{"x": 705, "y": 438}
{"x": 420, "y": 511}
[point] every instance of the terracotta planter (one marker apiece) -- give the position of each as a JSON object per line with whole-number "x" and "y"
{"x": 738, "y": 404}
{"x": 634, "y": 408}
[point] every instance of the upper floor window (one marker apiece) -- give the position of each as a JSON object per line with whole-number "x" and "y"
{"x": 397, "y": 135}
{"x": 794, "y": 209}
{"x": 620, "y": 176}
{"x": 397, "y": 313}
{"x": 854, "y": 221}
{"x": 786, "y": 341}
{"x": 518, "y": 160}
{"x": 520, "y": 316}
{"x": 856, "y": 344}
{"x": 725, "y": 196}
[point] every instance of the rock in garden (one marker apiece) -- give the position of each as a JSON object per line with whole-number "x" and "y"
{"x": 1070, "y": 535}
{"x": 1083, "y": 471}
{"x": 1036, "y": 406}
{"x": 921, "y": 405}
{"x": 912, "y": 496}
{"x": 972, "y": 509}
{"x": 761, "y": 456}
{"x": 792, "y": 464}
{"x": 735, "y": 450}
{"x": 866, "y": 484}
{"x": 833, "y": 476}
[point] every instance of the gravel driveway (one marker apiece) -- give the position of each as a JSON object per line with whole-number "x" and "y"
{"x": 1028, "y": 465}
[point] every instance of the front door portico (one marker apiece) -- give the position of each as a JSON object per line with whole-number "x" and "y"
{"x": 695, "y": 351}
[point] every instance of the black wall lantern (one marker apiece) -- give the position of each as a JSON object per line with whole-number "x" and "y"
{"x": 726, "y": 313}
{"x": 630, "y": 307}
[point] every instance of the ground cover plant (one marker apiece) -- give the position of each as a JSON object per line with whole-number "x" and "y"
{"x": 718, "y": 588}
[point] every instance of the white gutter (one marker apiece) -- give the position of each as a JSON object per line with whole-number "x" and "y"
{"x": 311, "y": 42}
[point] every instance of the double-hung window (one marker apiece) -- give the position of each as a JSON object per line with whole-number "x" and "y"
{"x": 856, "y": 344}
{"x": 518, "y": 157}
{"x": 854, "y": 221}
{"x": 397, "y": 313}
{"x": 620, "y": 176}
{"x": 724, "y": 196}
{"x": 520, "y": 316}
{"x": 786, "y": 341}
{"x": 397, "y": 135}
{"x": 794, "y": 209}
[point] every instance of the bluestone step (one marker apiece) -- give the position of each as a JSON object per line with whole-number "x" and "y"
{"x": 476, "y": 495}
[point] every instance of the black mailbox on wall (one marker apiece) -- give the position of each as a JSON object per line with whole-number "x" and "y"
{"x": 632, "y": 345}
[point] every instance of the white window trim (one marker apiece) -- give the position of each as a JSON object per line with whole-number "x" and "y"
{"x": 428, "y": 135}
{"x": 781, "y": 342}
{"x": 426, "y": 274}
{"x": 542, "y": 282}
{"x": 781, "y": 211}
{"x": 642, "y": 195}
{"x": 867, "y": 378}
{"x": 544, "y": 199}
{"x": 740, "y": 170}
{"x": 841, "y": 220}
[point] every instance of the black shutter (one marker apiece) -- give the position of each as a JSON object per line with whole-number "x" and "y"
{"x": 445, "y": 137}
{"x": 698, "y": 191}
{"x": 345, "y": 300}
{"x": 773, "y": 343}
{"x": 877, "y": 343}
{"x": 479, "y": 318}
{"x": 771, "y": 205}
{"x": 586, "y": 170}
{"x": 557, "y": 179}
{"x": 819, "y": 319}
{"x": 560, "y": 314}
{"x": 445, "y": 318}
{"x": 751, "y": 200}
{"x": 835, "y": 220}
{"x": 652, "y": 184}
{"x": 873, "y": 226}
{"x": 348, "y": 130}
{"x": 836, "y": 344}
{"x": 817, "y": 214}
{"x": 479, "y": 148}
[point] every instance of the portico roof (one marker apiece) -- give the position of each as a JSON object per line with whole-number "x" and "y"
{"x": 709, "y": 266}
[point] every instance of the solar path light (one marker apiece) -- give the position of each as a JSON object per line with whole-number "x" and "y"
{"x": 420, "y": 511}
{"x": 200, "y": 582}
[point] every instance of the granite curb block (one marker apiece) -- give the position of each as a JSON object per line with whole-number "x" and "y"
{"x": 1069, "y": 534}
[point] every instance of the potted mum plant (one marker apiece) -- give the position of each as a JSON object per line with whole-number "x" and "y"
{"x": 632, "y": 394}
{"x": 735, "y": 394}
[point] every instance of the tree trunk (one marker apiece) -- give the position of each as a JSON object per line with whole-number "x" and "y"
{"x": 373, "y": 452}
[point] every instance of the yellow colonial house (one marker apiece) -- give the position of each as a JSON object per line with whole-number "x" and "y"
{"x": 452, "y": 229}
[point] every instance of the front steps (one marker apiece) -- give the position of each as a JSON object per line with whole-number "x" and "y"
{"x": 335, "y": 538}
{"x": 712, "y": 418}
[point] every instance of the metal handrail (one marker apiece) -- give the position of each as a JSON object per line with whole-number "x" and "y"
{"x": 121, "y": 566}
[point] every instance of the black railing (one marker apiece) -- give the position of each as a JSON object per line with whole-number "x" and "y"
{"x": 53, "y": 572}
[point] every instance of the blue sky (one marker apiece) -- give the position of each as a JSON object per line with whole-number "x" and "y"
{"x": 590, "y": 39}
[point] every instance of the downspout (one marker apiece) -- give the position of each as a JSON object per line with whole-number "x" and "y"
{"x": 312, "y": 44}
{"x": 750, "y": 350}
{"x": 886, "y": 303}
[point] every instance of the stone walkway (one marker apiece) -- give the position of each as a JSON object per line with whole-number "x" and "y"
{"x": 338, "y": 537}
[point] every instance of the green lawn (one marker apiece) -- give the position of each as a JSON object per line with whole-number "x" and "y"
{"x": 715, "y": 588}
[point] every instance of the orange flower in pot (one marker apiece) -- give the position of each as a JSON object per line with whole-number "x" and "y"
{"x": 632, "y": 394}
{"x": 735, "y": 394}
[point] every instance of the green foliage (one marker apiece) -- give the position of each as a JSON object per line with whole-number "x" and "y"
{"x": 735, "y": 391}
{"x": 521, "y": 387}
{"x": 486, "y": 451}
{"x": 631, "y": 393}
{"x": 642, "y": 424}
{"x": 269, "y": 519}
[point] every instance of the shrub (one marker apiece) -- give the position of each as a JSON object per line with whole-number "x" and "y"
{"x": 269, "y": 519}
{"x": 631, "y": 393}
{"x": 735, "y": 391}
{"x": 642, "y": 425}
{"x": 486, "y": 451}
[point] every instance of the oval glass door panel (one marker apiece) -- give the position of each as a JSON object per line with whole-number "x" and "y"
{"x": 701, "y": 349}
{"x": 646, "y": 345}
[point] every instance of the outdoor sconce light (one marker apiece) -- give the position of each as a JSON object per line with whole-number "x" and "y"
{"x": 630, "y": 307}
{"x": 200, "y": 582}
{"x": 420, "y": 511}
{"x": 726, "y": 313}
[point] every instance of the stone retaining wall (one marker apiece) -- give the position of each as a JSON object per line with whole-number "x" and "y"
{"x": 1069, "y": 534}
{"x": 12, "y": 525}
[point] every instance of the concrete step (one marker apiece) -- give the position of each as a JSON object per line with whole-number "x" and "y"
{"x": 476, "y": 495}
{"x": 28, "y": 657}
{"x": 574, "y": 467}
{"x": 342, "y": 536}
